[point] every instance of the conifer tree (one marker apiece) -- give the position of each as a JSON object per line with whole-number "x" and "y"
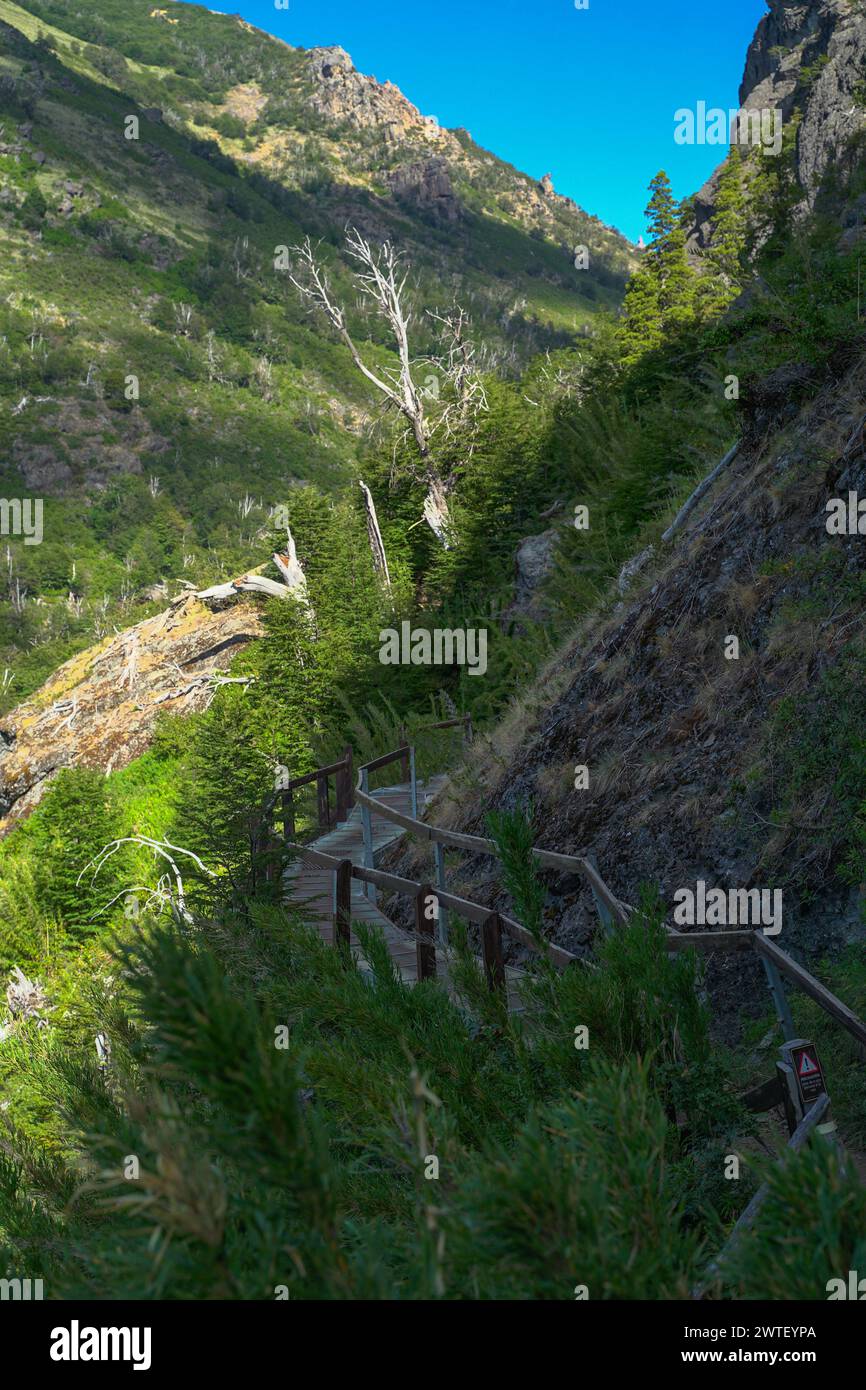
{"x": 641, "y": 315}
{"x": 666, "y": 257}
{"x": 728, "y": 241}
{"x": 660, "y": 295}
{"x": 65, "y": 835}
{"x": 720, "y": 284}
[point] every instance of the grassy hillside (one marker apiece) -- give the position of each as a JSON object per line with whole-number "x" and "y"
{"x": 162, "y": 387}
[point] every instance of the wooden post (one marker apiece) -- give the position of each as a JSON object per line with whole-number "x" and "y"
{"x": 343, "y": 903}
{"x": 491, "y": 942}
{"x": 324, "y": 803}
{"x": 350, "y": 778}
{"x": 425, "y": 950}
{"x": 288, "y": 817}
{"x": 340, "y": 795}
{"x": 344, "y": 786}
{"x": 439, "y": 850}
{"x": 265, "y": 848}
{"x": 404, "y": 760}
{"x": 367, "y": 831}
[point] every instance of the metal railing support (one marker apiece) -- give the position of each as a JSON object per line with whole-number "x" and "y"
{"x": 780, "y": 1000}
{"x": 439, "y": 851}
{"x": 413, "y": 782}
{"x": 425, "y": 950}
{"x": 605, "y": 916}
{"x": 367, "y": 829}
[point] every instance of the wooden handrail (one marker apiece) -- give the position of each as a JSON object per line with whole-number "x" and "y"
{"x": 324, "y": 861}
{"x": 478, "y": 844}
{"x": 477, "y": 913}
{"x": 755, "y": 940}
{"x": 407, "y": 887}
{"x": 342, "y": 770}
{"x": 809, "y": 985}
{"x": 386, "y": 758}
{"x": 464, "y": 719}
{"x": 328, "y": 771}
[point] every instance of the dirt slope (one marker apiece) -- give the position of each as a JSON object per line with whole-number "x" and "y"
{"x": 685, "y": 781}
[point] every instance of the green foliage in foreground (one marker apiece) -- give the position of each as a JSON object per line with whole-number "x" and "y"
{"x": 261, "y": 1165}
{"x": 513, "y": 835}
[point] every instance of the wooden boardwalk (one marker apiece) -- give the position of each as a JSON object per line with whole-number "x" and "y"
{"x": 311, "y": 888}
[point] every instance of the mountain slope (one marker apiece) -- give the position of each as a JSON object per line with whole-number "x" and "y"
{"x": 162, "y": 387}
{"x": 746, "y": 770}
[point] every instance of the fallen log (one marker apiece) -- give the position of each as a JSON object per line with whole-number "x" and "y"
{"x": 700, "y": 491}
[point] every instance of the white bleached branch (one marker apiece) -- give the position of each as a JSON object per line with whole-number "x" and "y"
{"x": 164, "y": 893}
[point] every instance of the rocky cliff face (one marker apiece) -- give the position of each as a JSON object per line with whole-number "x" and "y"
{"x": 343, "y": 95}
{"x": 99, "y": 709}
{"x": 806, "y": 58}
{"x": 431, "y": 157}
{"x": 684, "y": 779}
{"x": 427, "y": 186}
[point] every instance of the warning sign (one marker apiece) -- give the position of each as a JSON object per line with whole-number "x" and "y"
{"x": 807, "y": 1069}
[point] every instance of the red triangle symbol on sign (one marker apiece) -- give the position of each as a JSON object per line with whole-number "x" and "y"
{"x": 808, "y": 1067}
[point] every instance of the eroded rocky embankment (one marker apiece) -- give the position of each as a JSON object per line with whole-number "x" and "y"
{"x": 682, "y": 775}
{"x": 99, "y": 709}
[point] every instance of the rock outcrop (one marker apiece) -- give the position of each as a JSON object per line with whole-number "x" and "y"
{"x": 811, "y": 58}
{"x": 533, "y": 564}
{"x": 426, "y": 185}
{"x": 342, "y": 94}
{"x": 99, "y": 709}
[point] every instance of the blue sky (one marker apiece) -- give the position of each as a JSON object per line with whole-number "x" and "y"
{"x": 586, "y": 95}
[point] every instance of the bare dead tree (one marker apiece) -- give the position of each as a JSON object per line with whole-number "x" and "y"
{"x": 377, "y": 545}
{"x": 169, "y": 891}
{"x": 457, "y": 366}
{"x": 379, "y": 279}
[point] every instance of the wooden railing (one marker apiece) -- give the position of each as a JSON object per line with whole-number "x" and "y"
{"x": 810, "y": 1115}
{"x": 612, "y": 911}
{"x": 344, "y": 795}
{"x": 610, "y": 907}
{"x": 492, "y": 923}
{"x": 464, "y": 720}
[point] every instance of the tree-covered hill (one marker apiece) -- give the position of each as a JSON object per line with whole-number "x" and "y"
{"x": 162, "y": 387}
